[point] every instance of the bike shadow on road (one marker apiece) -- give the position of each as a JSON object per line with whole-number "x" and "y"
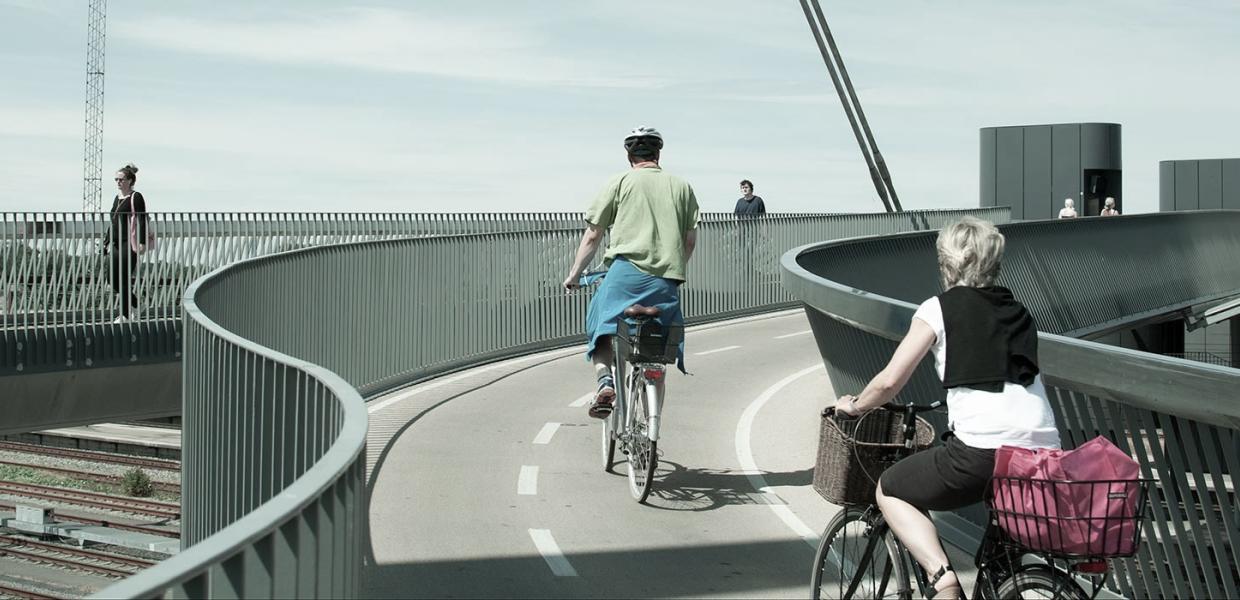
{"x": 679, "y": 488}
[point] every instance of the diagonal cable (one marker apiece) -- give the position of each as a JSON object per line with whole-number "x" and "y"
{"x": 879, "y": 173}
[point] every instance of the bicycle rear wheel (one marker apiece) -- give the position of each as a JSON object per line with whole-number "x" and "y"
{"x": 642, "y": 449}
{"x": 1041, "y": 581}
{"x": 853, "y": 555}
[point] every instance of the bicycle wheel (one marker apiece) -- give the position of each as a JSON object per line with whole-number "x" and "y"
{"x": 853, "y": 555}
{"x": 1041, "y": 581}
{"x": 641, "y": 448}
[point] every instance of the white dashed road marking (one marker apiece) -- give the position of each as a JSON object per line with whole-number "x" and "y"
{"x": 550, "y": 551}
{"x": 723, "y": 349}
{"x": 744, "y": 453}
{"x": 527, "y": 481}
{"x": 582, "y": 401}
{"x": 788, "y": 335}
{"x": 544, "y": 435}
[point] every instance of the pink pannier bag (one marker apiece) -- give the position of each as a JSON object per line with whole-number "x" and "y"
{"x": 1082, "y": 502}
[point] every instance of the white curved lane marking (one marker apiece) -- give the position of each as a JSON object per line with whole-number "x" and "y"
{"x": 744, "y": 453}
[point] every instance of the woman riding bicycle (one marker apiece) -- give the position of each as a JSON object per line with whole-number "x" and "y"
{"x": 653, "y": 218}
{"x": 985, "y": 348}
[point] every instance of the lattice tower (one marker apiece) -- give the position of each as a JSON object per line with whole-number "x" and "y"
{"x": 92, "y": 169}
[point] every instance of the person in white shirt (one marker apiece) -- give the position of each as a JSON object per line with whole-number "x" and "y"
{"x": 985, "y": 351}
{"x": 1068, "y": 211}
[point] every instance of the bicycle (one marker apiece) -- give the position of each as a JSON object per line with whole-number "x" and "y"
{"x": 642, "y": 348}
{"x": 866, "y": 560}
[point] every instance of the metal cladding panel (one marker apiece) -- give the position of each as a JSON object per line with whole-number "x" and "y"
{"x": 1100, "y": 146}
{"x": 1186, "y": 185}
{"x": 1166, "y": 186}
{"x": 1210, "y": 184}
{"x": 1230, "y": 173}
{"x": 986, "y": 186}
{"x": 1039, "y": 204}
{"x": 1065, "y": 163}
{"x": 1009, "y": 170}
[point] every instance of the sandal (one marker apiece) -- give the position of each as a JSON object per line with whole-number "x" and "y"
{"x": 603, "y": 399}
{"x": 935, "y": 593}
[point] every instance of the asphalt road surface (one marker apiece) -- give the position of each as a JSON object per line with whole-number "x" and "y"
{"x": 489, "y": 483}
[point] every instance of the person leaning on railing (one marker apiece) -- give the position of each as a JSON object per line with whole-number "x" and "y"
{"x": 985, "y": 346}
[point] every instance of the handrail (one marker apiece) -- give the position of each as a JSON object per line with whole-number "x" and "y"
{"x": 1175, "y": 416}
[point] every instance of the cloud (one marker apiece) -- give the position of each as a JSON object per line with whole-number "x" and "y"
{"x": 384, "y": 40}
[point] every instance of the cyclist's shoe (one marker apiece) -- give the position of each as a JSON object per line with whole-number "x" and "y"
{"x": 603, "y": 399}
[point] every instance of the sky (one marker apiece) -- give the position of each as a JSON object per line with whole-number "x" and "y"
{"x": 518, "y": 105}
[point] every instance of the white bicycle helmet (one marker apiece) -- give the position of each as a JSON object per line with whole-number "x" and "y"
{"x": 643, "y": 141}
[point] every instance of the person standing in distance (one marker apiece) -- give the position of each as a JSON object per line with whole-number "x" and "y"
{"x": 653, "y": 217}
{"x": 1068, "y": 211}
{"x": 749, "y": 205}
{"x": 1108, "y": 208}
{"x": 128, "y": 202}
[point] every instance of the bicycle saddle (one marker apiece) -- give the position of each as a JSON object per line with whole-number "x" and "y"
{"x": 638, "y": 310}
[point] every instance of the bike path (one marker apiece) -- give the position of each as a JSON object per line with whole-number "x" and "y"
{"x": 496, "y": 487}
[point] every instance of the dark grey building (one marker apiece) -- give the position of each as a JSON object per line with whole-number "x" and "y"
{"x": 1199, "y": 184}
{"x": 1203, "y": 185}
{"x": 1033, "y": 168}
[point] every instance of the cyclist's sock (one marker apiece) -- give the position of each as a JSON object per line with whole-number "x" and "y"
{"x": 606, "y": 381}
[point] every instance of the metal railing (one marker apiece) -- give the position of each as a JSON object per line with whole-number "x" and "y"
{"x": 1178, "y": 418}
{"x": 272, "y": 444}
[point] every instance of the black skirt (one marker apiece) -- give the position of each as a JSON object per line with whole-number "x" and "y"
{"x": 942, "y": 478}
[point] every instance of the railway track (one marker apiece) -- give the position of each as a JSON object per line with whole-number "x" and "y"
{"x": 23, "y": 593}
{"x": 150, "y": 508}
{"x": 104, "y": 457}
{"x": 49, "y": 558}
{"x": 88, "y": 476}
{"x": 88, "y": 520}
{"x": 120, "y": 559}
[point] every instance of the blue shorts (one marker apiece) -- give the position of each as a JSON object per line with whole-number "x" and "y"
{"x": 623, "y": 287}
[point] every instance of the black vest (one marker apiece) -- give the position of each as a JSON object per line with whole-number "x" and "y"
{"x": 991, "y": 339}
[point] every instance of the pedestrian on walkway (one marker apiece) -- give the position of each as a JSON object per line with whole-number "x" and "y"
{"x": 128, "y": 211}
{"x": 749, "y": 205}
{"x": 1108, "y": 209}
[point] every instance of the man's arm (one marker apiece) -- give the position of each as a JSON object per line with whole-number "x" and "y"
{"x": 690, "y": 243}
{"x": 590, "y": 240}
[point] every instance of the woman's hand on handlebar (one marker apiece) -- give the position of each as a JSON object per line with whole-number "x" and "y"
{"x": 572, "y": 282}
{"x": 847, "y": 405}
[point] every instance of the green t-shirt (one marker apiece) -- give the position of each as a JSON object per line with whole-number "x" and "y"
{"x": 649, "y": 213}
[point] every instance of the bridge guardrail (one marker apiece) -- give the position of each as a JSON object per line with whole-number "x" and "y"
{"x": 1178, "y": 418}
{"x": 362, "y": 316}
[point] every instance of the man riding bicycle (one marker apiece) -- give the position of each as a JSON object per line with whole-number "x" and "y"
{"x": 653, "y": 217}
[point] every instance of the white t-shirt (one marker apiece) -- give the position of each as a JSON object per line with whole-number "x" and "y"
{"x": 1017, "y": 416}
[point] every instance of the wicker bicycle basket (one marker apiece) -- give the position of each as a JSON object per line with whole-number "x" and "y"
{"x": 854, "y": 452}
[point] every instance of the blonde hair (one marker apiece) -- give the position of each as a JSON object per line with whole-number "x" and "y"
{"x": 970, "y": 251}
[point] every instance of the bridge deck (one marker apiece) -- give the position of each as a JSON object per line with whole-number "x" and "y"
{"x": 709, "y": 530}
